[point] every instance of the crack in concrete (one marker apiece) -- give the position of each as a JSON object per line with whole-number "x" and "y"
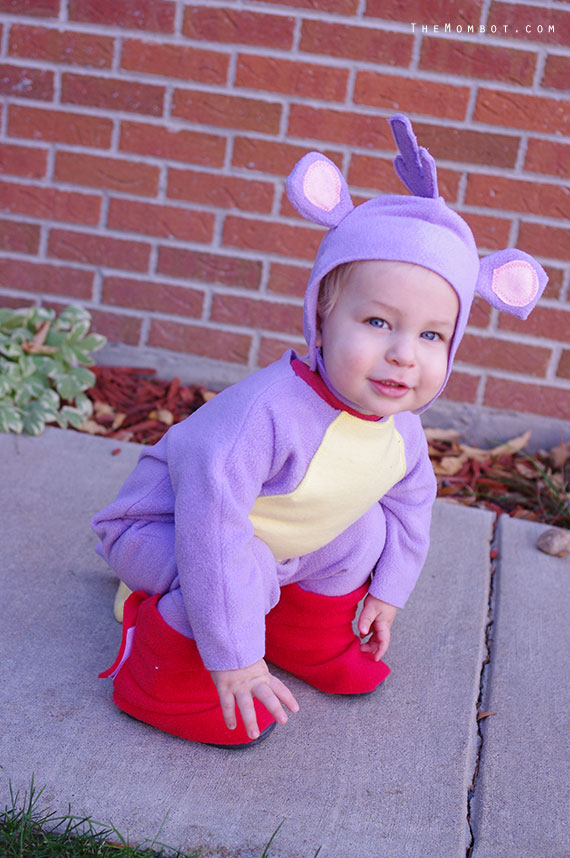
{"x": 493, "y": 554}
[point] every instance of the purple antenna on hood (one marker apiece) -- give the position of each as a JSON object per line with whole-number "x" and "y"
{"x": 415, "y": 166}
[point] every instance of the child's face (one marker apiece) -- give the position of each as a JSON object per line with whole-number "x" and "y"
{"x": 386, "y": 340}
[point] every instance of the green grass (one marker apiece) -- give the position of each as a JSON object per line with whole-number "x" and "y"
{"x": 27, "y": 831}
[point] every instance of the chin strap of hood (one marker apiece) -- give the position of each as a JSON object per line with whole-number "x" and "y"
{"x": 418, "y": 228}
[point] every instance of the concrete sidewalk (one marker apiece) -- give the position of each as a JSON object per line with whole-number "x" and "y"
{"x": 388, "y": 776}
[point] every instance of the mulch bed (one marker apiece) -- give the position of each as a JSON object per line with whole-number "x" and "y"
{"x": 130, "y": 404}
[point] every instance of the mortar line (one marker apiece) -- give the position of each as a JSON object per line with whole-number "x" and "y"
{"x": 485, "y": 664}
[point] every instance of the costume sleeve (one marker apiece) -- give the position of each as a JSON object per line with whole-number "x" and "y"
{"x": 227, "y": 576}
{"x": 407, "y": 508}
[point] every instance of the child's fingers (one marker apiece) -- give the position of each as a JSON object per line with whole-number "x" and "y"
{"x": 283, "y": 693}
{"x": 365, "y": 620}
{"x": 227, "y": 702}
{"x": 247, "y": 709}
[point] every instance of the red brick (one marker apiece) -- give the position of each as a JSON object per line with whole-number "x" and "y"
{"x": 555, "y": 282}
{"x": 228, "y": 111}
{"x": 58, "y": 126}
{"x": 471, "y": 147}
{"x": 41, "y": 8}
{"x": 8, "y": 302}
{"x": 197, "y": 340}
{"x": 545, "y": 156}
{"x": 548, "y": 241}
{"x": 334, "y": 7}
{"x": 209, "y": 267}
{"x": 379, "y": 174}
{"x": 556, "y": 72}
{"x": 163, "y": 221}
{"x": 238, "y": 27}
{"x": 128, "y": 177}
{"x": 42, "y": 277}
{"x": 24, "y": 82}
{"x": 271, "y": 349}
{"x": 22, "y": 161}
{"x": 358, "y": 43}
{"x": 152, "y": 296}
{"x": 291, "y": 241}
{"x": 212, "y": 189}
{"x": 175, "y": 145}
{"x": 513, "y": 195}
{"x": 415, "y": 96}
{"x": 503, "y": 354}
{"x": 153, "y": 15}
{"x": 478, "y": 60}
{"x": 490, "y": 232}
{"x": 112, "y": 94}
{"x": 50, "y": 203}
{"x": 461, "y": 387}
{"x": 175, "y": 61}
{"x": 117, "y": 328}
{"x": 56, "y": 46}
{"x": 516, "y": 110}
{"x": 19, "y": 237}
{"x": 288, "y": 279}
{"x": 252, "y": 313}
{"x": 534, "y": 398}
{"x": 547, "y": 322}
{"x": 337, "y": 126}
{"x": 563, "y": 370}
{"x": 269, "y": 156}
{"x": 99, "y": 250}
{"x": 425, "y": 11}
{"x": 299, "y": 79}
{"x": 480, "y": 314}
{"x": 516, "y": 17}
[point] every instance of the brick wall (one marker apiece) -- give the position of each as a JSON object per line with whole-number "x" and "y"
{"x": 144, "y": 146}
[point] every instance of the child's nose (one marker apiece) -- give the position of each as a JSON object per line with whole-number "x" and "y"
{"x": 401, "y": 352}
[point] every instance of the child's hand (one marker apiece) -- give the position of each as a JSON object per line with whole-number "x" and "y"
{"x": 242, "y": 685}
{"x": 376, "y": 618}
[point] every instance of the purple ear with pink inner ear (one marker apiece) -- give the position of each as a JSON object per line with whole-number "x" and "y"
{"x": 512, "y": 281}
{"x": 318, "y": 190}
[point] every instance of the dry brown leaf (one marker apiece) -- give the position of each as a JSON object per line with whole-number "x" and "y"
{"x": 118, "y": 421}
{"x": 208, "y": 394}
{"x": 448, "y": 466}
{"x": 165, "y": 416}
{"x": 102, "y": 409}
{"x": 442, "y": 434}
{"x": 512, "y": 446}
{"x": 93, "y": 428}
{"x": 526, "y": 471}
{"x": 560, "y": 455}
{"x": 481, "y": 714}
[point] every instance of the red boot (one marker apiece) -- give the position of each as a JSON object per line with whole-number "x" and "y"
{"x": 311, "y": 636}
{"x": 159, "y": 678}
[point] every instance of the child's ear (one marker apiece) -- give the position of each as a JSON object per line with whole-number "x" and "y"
{"x": 318, "y": 190}
{"x": 512, "y": 281}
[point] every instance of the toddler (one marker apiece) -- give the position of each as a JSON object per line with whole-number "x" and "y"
{"x": 252, "y": 530}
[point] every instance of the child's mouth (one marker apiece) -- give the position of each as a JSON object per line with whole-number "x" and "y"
{"x": 390, "y": 387}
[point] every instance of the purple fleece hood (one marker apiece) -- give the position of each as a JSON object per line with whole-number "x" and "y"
{"x": 420, "y": 229}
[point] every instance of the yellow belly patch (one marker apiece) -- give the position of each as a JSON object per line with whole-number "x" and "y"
{"x": 357, "y": 462}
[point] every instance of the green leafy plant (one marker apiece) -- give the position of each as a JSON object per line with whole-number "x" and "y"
{"x": 43, "y": 368}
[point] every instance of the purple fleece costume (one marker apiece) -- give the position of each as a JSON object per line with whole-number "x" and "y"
{"x": 276, "y": 480}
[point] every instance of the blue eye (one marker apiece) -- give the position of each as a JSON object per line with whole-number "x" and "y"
{"x": 377, "y": 323}
{"x": 432, "y": 336}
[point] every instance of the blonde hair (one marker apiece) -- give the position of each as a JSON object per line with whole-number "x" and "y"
{"x": 331, "y": 286}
